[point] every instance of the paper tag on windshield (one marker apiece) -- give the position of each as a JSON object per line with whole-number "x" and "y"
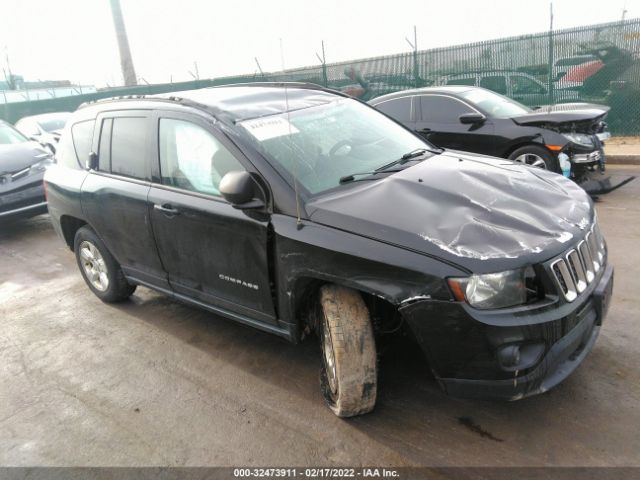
{"x": 271, "y": 127}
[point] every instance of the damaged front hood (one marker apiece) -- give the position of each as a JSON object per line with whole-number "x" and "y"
{"x": 560, "y": 116}
{"x": 483, "y": 214}
{"x": 18, "y": 156}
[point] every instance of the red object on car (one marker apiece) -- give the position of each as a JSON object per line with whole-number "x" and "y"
{"x": 581, "y": 72}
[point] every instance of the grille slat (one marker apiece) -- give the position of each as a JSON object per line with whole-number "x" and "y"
{"x": 577, "y": 268}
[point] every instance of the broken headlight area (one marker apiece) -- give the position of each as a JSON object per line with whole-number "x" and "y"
{"x": 581, "y": 139}
{"x": 497, "y": 290}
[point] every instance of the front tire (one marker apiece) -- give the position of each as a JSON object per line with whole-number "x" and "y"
{"x": 535, "y": 156}
{"x": 100, "y": 270}
{"x": 349, "y": 373}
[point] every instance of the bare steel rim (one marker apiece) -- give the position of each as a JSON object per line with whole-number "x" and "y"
{"x": 532, "y": 160}
{"x": 329, "y": 357}
{"x": 94, "y": 266}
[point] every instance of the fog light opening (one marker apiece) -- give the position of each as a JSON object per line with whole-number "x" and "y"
{"x": 519, "y": 356}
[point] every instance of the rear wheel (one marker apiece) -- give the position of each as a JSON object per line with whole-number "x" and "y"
{"x": 349, "y": 373}
{"x": 535, "y": 156}
{"x": 100, "y": 270}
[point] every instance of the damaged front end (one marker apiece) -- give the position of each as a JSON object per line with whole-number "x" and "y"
{"x": 511, "y": 353}
{"x": 585, "y": 129}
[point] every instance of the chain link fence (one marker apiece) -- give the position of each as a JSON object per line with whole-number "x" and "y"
{"x": 593, "y": 64}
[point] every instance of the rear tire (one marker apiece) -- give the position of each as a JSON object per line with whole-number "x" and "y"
{"x": 536, "y": 156}
{"x": 349, "y": 373}
{"x": 100, "y": 270}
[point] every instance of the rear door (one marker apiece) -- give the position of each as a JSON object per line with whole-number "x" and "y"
{"x": 439, "y": 122}
{"x": 114, "y": 196}
{"x": 401, "y": 109}
{"x": 211, "y": 251}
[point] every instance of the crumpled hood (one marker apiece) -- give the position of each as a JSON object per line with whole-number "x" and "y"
{"x": 481, "y": 213}
{"x": 18, "y": 156}
{"x": 558, "y": 116}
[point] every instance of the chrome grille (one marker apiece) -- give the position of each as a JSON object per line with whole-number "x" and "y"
{"x": 577, "y": 268}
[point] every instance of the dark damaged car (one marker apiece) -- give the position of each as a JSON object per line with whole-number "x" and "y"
{"x": 564, "y": 138}
{"x": 296, "y": 209}
{"x": 22, "y": 166}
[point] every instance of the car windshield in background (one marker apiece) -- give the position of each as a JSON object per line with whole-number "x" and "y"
{"x": 495, "y": 105}
{"x": 321, "y": 144}
{"x": 9, "y": 135}
{"x": 55, "y": 123}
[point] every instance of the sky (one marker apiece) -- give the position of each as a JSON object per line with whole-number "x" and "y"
{"x": 74, "y": 39}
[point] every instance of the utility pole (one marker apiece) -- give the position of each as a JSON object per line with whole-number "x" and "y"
{"x": 323, "y": 61}
{"x": 259, "y": 67}
{"x": 414, "y": 46}
{"x": 8, "y": 75}
{"x": 126, "y": 62}
{"x": 550, "y": 77}
{"x": 624, "y": 12}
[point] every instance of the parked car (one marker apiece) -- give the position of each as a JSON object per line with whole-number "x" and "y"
{"x": 44, "y": 128}
{"x": 516, "y": 85}
{"x": 22, "y": 166}
{"x": 474, "y": 119}
{"x": 296, "y": 209}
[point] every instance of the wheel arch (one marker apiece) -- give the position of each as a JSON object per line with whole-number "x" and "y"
{"x": 70, "y": 225}
{"x": 304, "y": 298}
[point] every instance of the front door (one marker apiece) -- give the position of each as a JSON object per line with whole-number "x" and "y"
{"x": 439, "y": 122}
{"x": 211, "y": 252}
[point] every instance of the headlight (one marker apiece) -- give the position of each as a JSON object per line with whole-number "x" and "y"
{"x": 491, "y": 290}
{"x": 579, "y": 138}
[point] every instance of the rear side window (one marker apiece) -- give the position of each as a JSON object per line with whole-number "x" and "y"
{"x": 441, "y": 109}
{"x": 128, "y": 147}
{"x": 496, "y": 83}
{"x": 400, "y": 108}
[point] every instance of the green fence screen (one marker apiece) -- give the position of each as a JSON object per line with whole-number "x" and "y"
{"x": 592, "y": 64}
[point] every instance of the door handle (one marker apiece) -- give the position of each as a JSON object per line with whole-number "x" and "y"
{"x": 424, "y": 130}
{"x": 167, "y": 209}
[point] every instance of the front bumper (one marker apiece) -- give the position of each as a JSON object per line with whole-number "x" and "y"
{"x": 21, "y": 199}
{"x": 461, "y": 349}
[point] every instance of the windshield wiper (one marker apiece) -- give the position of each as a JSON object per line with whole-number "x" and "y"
{"x": 418, "y": 152}
{"x": 352, "y": 177}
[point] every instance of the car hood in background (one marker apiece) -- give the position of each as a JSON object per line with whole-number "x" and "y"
{"x": 18, "y": 156}
{"x": 558, "y": 114}
{"x": 481, "y": 213}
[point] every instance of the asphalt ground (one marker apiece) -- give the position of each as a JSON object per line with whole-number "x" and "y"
{"x": 154, "y": 382}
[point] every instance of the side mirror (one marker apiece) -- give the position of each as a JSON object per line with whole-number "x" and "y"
{"x": 92, "y": 162}
{"x": 472, "y": 118}
{"x": 238, "y": 188}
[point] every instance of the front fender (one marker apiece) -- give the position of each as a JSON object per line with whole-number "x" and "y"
{"x": 321, "y": 254}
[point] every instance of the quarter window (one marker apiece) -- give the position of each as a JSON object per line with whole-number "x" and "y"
{"x": 441, "y": 109}
{"x": 82, "y": 133}
{"x": 191, "y": 158}
{"x": 128, "y": 141}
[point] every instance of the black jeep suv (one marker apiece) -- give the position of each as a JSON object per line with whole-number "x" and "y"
{"x": 295, "y": 209}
